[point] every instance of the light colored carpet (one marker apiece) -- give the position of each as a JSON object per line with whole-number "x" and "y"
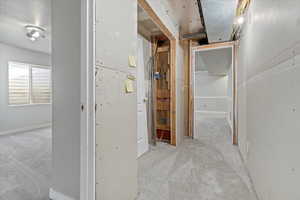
{"x": 209, "y": 168}
{"x": 25, "y": 165}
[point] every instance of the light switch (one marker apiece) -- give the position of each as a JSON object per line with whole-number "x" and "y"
{"x": 132, "y": 62}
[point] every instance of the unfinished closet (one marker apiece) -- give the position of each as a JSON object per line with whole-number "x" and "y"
{"x": 160, "y": 77}
{"x": 162, "y": 89}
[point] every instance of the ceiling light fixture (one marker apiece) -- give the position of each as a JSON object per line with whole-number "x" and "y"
{"x": 34, "y": 32}
{"x": 240, "y": 20}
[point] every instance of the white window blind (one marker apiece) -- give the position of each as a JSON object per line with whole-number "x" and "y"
{"x": 40, "y": 85}
{"x": 18, "y": 86}
{"x": 28, "y": 84}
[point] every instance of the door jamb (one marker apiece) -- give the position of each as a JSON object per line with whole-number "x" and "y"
{"x": 87, "y": 132}
{"x": 234, "y": 88}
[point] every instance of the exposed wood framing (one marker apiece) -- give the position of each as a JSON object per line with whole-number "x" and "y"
{"x": 190, "y": 94}
{"x": 153, "y": 16}
{"x": 185, "y": 45}
{"x": 154, "y": 49}
{"x": 214, "y": 45}
{"x": 243, "y": 4}
{"x": 235, "y": 97}
{"x": 163, "y": 49}
{"x": 194, "y": 48}
{"x": 173, "y": 90}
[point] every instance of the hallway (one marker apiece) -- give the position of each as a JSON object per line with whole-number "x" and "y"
{"x": 206, "y": 169}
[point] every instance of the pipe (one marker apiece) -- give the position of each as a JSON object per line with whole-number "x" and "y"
{"x": 202, "y": 22}
{"x": 194, "y": 36}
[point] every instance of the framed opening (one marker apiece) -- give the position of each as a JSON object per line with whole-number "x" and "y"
{"x": 212, "y": 104}
{"x": 168, "y": 131}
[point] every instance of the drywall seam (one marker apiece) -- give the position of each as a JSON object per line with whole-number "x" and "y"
{"x": 274, "y": 64}
{"x": 55, "y": 195}
{"x": 115, "y": 91}
{"x": 277, "y": 69}
{"x": 29, "y": 128}
{"x": 111, "y": 68}
{"x": 269, "y": 97}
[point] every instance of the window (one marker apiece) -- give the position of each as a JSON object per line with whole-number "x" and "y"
{"x": 28, "y": 84}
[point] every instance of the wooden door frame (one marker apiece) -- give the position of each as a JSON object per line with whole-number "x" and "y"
{"x": 173, "y": 42}
{"x": 192, "y": 50}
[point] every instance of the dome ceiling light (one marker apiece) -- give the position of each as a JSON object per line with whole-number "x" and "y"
{"x": 34, "y": 32}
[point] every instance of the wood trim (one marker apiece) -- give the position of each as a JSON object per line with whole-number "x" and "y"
{"x": 163, "y": 49}
{"x": 212, "y": 46}
{"x": 153, "y": 16}
{"x": 173, "y": 91}
{"x": 154, "y": 95}
{"x": 190, "y": 94}
{"x": 185, "y": 44}
{"x": 235, "y": 97}
{"x": 191, "y": 101}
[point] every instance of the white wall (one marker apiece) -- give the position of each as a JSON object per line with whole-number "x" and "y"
{"x": 208, "y": 85}
{"x": 230, "y": 110}
{"x": 269, "y": 98}
{"x": 66, "y": 63}
{"x": 210, "y": 95}
{"x": 13, "y": 118}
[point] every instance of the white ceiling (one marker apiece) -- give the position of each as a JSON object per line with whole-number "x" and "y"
{"x": 216, "y": 61}
{"x": 15, "y": 14}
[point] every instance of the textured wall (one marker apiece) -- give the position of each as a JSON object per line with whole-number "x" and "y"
{"x": 269, "y": 97}
{"x": 19, "y": 117}
{"x": 116, "y": 116}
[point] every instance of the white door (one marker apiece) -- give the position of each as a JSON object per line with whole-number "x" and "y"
{"x": 142, "y": 135}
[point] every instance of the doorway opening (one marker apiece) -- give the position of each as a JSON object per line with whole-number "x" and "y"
{"x": 156, "y": 88}
{"x": 213, "y": 91}
{"x": 25, "y": 99}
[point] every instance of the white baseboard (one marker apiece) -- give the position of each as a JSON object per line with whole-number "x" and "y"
{"x": 210, "y": 114}
{"x": 54, "y": 195}
{"x": 29, "y": 128}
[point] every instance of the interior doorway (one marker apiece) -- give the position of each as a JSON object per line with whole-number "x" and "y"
{"x": 25, "y": 99}
{"x": 160, "y": 76}
{"x": 213, "y": 86}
